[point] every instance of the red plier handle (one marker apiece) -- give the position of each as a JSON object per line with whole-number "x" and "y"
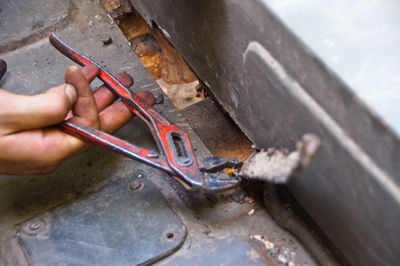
{"x": 176, "y": 157}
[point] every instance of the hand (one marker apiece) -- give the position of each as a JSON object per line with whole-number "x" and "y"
{"x": 29, "y": 142}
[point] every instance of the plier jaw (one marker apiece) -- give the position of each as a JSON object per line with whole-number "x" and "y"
{"x": 215, "y": 177}
{"x": 219, "y": 181}
{"x": 176, "y": 154}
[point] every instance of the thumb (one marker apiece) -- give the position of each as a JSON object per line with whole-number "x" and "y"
{"x": 66, "y": 91}
{"x": 22, "y": 112}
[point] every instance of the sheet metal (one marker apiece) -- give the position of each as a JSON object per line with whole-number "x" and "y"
{"x": 277, "y": 89}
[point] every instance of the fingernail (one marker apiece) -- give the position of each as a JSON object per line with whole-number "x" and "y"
{"x": 71, "y": 93}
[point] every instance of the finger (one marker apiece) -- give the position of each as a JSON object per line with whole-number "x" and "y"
{"x": 116, "y": 115}
{"x": 90, "y": 72}
{"x": 36, "y": 151}
{"x": 104, "y": 96}
{"x": 21, "y": 112}
{"x": 148, "y": 97}
{"x": 85, "y": 106}
{"x": 111, "y": 119}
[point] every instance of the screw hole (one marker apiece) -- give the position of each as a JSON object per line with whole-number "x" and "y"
{"x": 170, "y": 235}
{"x": 135, "y": 185}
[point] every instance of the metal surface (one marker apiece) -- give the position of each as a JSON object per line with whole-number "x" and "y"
{"x": 276, "y": 89}
{"x": 81, "y": 232}
{"x": 21, "y": 25}
{"x": 359, "y": 40}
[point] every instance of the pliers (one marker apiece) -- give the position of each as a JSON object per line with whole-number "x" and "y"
{"x": 176, "y": 156}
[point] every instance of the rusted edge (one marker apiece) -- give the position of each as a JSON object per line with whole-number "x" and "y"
{"x": 117, "y": 9}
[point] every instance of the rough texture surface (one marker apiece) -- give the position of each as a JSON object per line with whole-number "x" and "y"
{"x": 278, "y": 165}
{"x": 161, "y": 59}
{"x": 117, "y": 8}
{"x": 182, "y": 95}
{"x": 20, "y": 26}
{"x": 272, "y": 165}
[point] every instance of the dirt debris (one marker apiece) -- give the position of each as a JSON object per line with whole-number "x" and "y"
{"x": 272, "y": 165}
{"x": 280, "y": 254}
{"x": 182, "y": 95}
{"x": 278, "y": 165}
{"x": 251, "y": 212}
{"x": 267, "y": 244}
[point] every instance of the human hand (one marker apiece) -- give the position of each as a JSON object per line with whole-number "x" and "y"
{"x": 29, "y": 142}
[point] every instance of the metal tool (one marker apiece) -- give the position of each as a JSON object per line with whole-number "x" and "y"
{"x": 176, "y": 155}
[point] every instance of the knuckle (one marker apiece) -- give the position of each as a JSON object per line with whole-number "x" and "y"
{"x": 59, "y": 107}
{"x": 72, "y": 69}
{"x": 71, "y": 72}
{"x": 94, "y": 123}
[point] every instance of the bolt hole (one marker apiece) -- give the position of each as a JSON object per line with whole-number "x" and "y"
{"x": 135, "y": 185}
{"x": 170, "y": 235}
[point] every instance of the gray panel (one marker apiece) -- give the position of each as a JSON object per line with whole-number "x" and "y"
{"x": 26, "y": 21}
{"x": 113, "y": 226}
{"x": 276, "y": 89}
{"x": 359, "y": 40}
